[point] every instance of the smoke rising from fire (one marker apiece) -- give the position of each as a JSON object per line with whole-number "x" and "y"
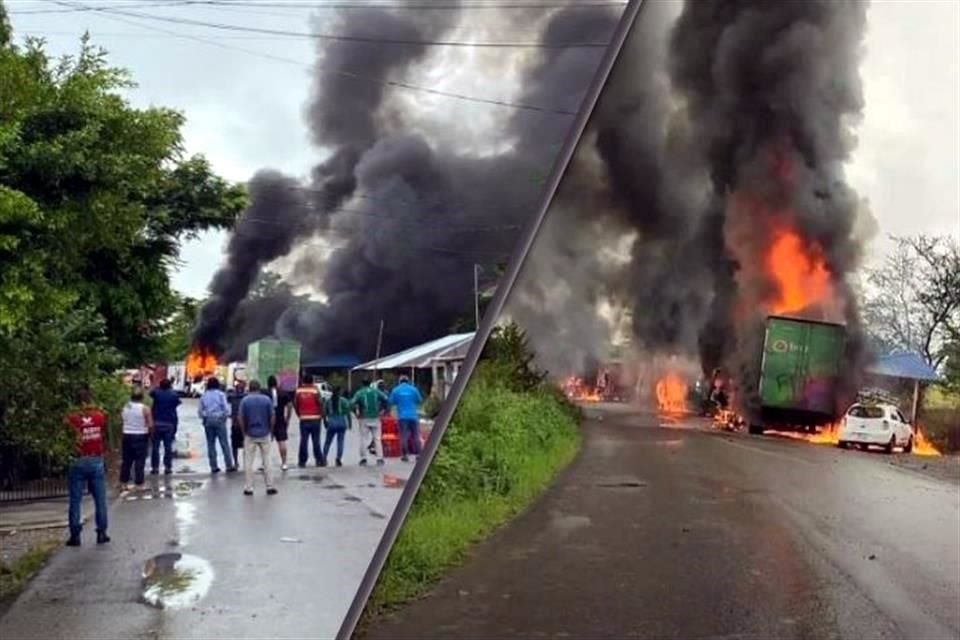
{"x": 722, "y": 143}
{"x": 390, "y": 225}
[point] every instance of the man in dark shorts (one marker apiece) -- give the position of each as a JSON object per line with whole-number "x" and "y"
{"x": 234, "y": 397}
{"x": 282, "y": 407}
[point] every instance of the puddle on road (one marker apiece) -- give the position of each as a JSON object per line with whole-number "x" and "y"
{"x": 566, "y": 523}
{"x": 185, "y": 488}
{"x": 175, "y": 580}
{"x": 334, "y": 486}
{"x": 352, "y": 499}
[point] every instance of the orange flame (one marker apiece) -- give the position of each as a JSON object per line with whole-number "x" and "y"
{"x": 200, "y": 363}
{"x": 800, "y": 272}
{"x": 922, "y": 446}
{"x": 578, "y": 390}
{"x": 671, "y": 394}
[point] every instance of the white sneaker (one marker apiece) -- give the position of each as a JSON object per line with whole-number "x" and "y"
{"x": 283, "y": 467}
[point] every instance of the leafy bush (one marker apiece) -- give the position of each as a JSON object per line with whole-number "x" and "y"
{"x": 431, "y": 406}
{"x": 510, "y": 435}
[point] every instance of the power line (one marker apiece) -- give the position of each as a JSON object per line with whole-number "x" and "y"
{"x": 139, "y": 5}
{"x": 336, "y": 37}
{"x": 312, "y": 5}
{"x": 399, "y": 84}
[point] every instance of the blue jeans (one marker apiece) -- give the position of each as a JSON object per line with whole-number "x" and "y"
{"x": 216, "y": 430}
{"x": 409, "y": 436}
{"x": 87, "y": 472}
{"x": 339, "y": 433}
{"x": 309, "y": 429}
{"x": 165, "y": 435}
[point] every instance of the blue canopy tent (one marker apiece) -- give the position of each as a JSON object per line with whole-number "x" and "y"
{"x": 331, "y": 363}
{"x": 905, "y": 365}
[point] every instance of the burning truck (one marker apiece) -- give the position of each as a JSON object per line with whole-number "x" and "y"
{"x": 800, "y": 372}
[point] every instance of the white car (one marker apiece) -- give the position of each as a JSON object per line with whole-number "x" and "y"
{"x": 880, "y": 425}
{"x": 325, "y": 389}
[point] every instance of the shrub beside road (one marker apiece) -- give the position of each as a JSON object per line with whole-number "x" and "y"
{"x": 510, "y": 436}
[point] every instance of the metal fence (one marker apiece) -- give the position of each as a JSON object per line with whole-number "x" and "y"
{"x": 25, "y": 476}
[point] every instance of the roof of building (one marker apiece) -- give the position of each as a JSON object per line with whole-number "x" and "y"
{"x": 907, "y": 365}
{"x": 336, "y": 361}
{"x": 421, "y": 356}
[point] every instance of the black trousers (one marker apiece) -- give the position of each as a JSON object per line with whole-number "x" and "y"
{"x": 134, "y": 455}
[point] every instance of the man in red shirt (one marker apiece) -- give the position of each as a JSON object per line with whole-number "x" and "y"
{"x": 89, "y": 424}
{"x": 308, "y": 406}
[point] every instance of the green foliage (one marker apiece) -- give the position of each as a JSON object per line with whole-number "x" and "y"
{"x": 44, "y": 365}
{"x": 951, "y": 366}
{"x": 95, "y": 198}
{"x": 510, "y": 360}
{"x": 509, "y": 437}
{"x": 15, "y": 576}
{"x": 431, "y": 406}
{"x": 174, "y": 339}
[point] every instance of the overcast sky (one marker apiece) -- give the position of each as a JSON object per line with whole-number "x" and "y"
{"x": 244, "y": 111}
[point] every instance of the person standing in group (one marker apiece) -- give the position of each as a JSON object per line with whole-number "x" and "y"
{"x": 407, "y": 399}
{"x": 256, "y": 416}
{"x": 89, "y": 425}
{"x": 236, "y": 431}
{"x": 308, "y": 406}
{"x": 282, "y": 408}
{"x": 165, "y": 421}
{"x": 214, "y": 411}
{"x": 368, "y": 401}
{"x": 336, "y": 413}
{"x": 137, "y": 427}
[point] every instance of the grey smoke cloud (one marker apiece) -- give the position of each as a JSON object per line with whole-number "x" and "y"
{"x": 408, "y": 213}
{"x": 717, "y": 128}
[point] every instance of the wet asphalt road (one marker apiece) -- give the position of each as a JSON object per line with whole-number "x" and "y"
{"x": 683, "y": 532}
{"x": 283, "y": 566}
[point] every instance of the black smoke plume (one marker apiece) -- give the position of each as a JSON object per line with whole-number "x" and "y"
{"x": 711, "y": 136}
{"x": 390, "y": 227}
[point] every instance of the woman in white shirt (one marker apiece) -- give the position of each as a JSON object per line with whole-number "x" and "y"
{"x": 137, "y": 427}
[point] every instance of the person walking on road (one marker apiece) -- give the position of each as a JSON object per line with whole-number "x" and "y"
{"x": 256, "y": 415}
{"x": 367, "y": 401}
{"x": 137, "y": 427}
{"x": 308, "y": 406}
{"x": 236, "y": 432}
{"x": 281, "y": 406}
{"x": 336, "y": 411}
{"x": 214, "y": 411}
{"x": 89, "y": 425}
{"x": 407, "y": 399}
{"x": 165, "y": 421}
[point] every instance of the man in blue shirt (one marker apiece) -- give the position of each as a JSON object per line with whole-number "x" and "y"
{"x": 407, "y": 399}
{"x": 165, "y": 421}
{"x": 257, "y": 419}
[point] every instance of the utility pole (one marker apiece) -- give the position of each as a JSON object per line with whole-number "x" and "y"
{"x": 376, "y": 366}
{"x": 476, "y": 296}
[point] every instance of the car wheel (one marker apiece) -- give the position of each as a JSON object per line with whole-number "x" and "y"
{"x": 756, "y": 430}
{"x": 842, "y": 444}
{"x": 888, "y": 448}
{"x": 908, "y": 448}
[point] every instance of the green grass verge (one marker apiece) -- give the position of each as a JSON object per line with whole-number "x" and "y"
{"x": 502, "y": 449}
{"x": 14, "y": 577}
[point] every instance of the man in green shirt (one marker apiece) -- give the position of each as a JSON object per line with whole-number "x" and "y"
{"x": 368, "y": 400}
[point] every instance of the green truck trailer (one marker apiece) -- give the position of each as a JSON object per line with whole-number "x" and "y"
{"x": 799, "y": 373}
{"x": 273, "y": 357}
